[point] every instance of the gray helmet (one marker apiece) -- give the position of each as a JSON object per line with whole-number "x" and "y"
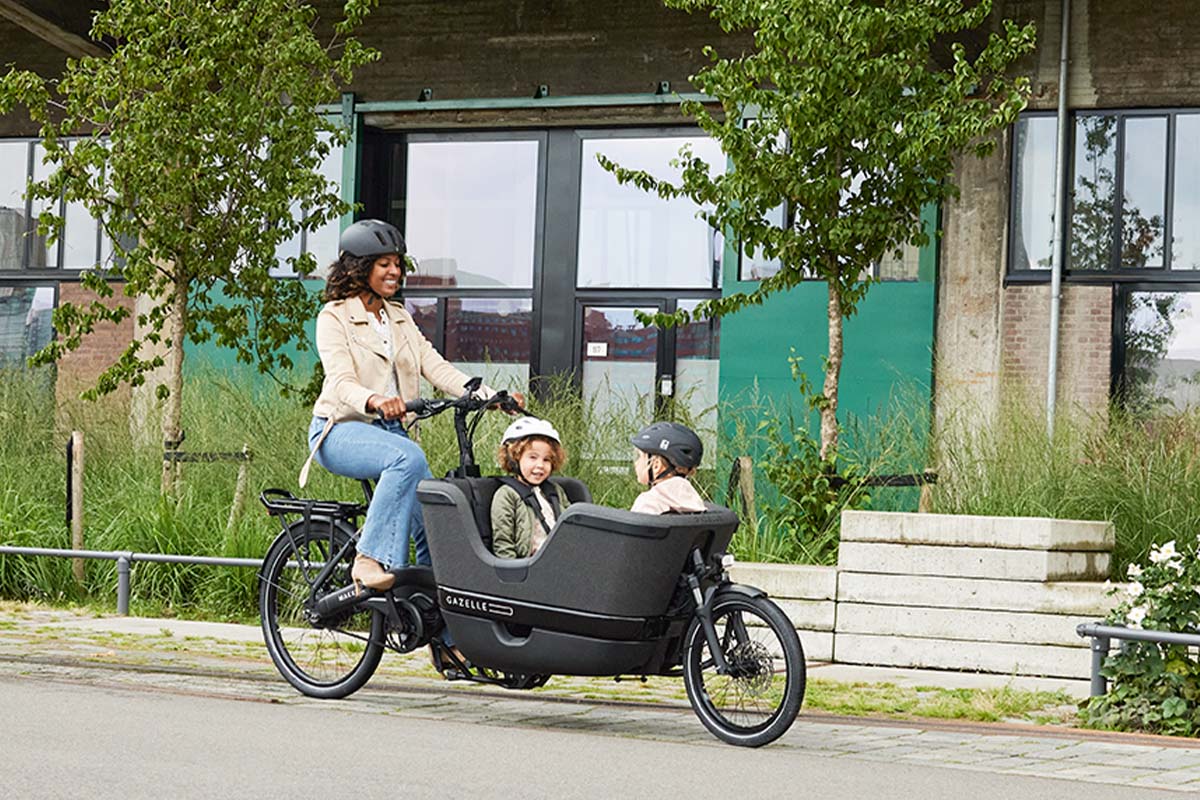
{"x": 678, "y": 444}
{"x": 371, "y": 237}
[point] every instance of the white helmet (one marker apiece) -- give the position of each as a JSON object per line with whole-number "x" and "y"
{"x": 530, "y": 426}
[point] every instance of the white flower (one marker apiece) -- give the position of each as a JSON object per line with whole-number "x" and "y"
{"x": 1134, "y": 571}
{"x": 1177, "y": 566}
{"x": 1135, "y": 589}
{"x": 1161, "y": 555}
{"x": 1135, "y": 616}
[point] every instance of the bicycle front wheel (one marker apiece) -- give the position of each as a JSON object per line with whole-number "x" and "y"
{"x": 759, "y": 698}
{"x": 329, "y": 659}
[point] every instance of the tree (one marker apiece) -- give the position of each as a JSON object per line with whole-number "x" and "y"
{"x": 199, "y": 139}
{"x": 841, "y": 114}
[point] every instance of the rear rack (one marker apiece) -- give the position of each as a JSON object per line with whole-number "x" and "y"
{"x": 280, "y": 502}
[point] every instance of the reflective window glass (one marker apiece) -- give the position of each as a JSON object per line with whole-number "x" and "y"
{"x": 41, "y": 254}
{"x": 629, "y": 238}
{"x": 1162, "y": 350}
{"x": 323, "y": 242}
{"x": 697, "y": 369}
{"x": 620, "y": 358}
{"x": 904, "y": 266}
{"x": 14, "y": 174}
{"x": 1093, "y": 205}
{"x": 80, "y": 230}
{"x": 1185, "y": 233}
{"x": 25, "y": 322}
{"x": 289, "y": 248}
{"x": 491, "y": 338}
{"x": 756, "y": 266}
{"x": 1144, "y": 182}
{"x": 424, "y": 313}
{"x": 1033, "y": 193}
{"x": 471, "y": 212}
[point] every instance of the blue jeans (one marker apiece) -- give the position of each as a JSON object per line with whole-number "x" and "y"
{"x": 380, "y": 451}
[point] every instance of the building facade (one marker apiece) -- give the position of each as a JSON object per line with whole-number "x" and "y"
{"x": 477, "y": 133}
{"x": 1128, "y": 328}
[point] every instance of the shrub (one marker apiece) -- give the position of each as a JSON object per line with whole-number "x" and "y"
{"x": 1155, "y": 687}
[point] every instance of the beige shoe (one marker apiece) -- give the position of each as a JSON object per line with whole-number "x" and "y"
{"x": 370, "y": 573}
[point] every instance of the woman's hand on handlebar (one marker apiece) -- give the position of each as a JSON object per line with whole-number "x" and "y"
{"x": 511, "y": 403}
{"x": 386, "y": 407}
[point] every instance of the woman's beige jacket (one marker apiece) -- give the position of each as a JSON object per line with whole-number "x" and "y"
{"x": 357, "y": 366}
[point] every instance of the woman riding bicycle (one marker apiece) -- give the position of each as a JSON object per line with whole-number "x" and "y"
{"x": 374, "y": 355}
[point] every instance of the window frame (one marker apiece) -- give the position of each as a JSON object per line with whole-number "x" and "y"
{"x": 1116, "y": 274}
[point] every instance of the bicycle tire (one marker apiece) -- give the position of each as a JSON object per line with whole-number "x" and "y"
{"x": 749, "y": 707}
{"x": 325, "y": 661}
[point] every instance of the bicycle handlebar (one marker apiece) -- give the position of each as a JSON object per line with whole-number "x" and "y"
{"x": 424, "y": 408}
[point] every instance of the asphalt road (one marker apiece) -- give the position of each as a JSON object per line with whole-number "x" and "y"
{"x": 83, "y": 739}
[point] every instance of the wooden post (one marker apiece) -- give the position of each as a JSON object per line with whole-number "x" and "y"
{"x": 239, "y": 492}
{"x": 741, "y": 487}
{"x": 925, "y": 502}
{"x": 76, "y": 501}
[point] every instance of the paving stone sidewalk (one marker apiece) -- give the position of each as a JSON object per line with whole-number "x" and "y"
{"x": 38, "y": 644}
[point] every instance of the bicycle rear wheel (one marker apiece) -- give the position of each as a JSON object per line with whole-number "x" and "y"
{"x": 758, "y": 700}
{"x": 328, "y": 659}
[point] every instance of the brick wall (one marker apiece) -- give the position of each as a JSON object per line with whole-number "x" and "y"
{"x": 79, "y": 369}
{"x": 1085, "y": 343}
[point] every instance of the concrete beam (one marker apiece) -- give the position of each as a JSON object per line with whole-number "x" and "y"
{"x": 793, "y": 581}
{"x": 1090, "y": 600}
{"x": 960, "y": 624}
{"x": 972, "y": 562}
{"x": 998, "y": 657}
{"x": 48, "y": 31}
{"x": 964, "y": 530}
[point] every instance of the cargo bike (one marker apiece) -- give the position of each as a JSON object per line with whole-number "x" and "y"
{"x": 611, "y": 593}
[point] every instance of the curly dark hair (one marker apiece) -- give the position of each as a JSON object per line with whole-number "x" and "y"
{"x": 348, "y": 277}
{"x": 509, "y": 454}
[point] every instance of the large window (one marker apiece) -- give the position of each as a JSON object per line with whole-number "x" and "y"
{"x": 1134, "y": 195}
{"x": 469, "y": 206}
{"x": 322, "y": 242}
{"x": 1159, "y": 348}
{"x": 629, "y": 238}
{"x": 471, "y": 212}
{"x": 25, "y": 325}
{"x": 530, "y": 256}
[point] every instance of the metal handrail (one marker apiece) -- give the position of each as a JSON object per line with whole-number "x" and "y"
{"x": 1102, "y": 636}
{"x": 125, "y": 558}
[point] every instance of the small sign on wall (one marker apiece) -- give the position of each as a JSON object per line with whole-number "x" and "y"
{"x": 597, "y": 349}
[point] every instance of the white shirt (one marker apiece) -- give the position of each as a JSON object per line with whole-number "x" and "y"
{"x": 383, "y": 327}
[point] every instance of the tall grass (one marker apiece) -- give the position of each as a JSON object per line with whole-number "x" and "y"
{"x": 1141, "y": 473}
{"x": 124, "y": 510}
{"x": 892, "y": 440}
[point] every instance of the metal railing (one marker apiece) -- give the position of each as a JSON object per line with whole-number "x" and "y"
{"x": 125, "y": 558}
{"x": 1102, "y": 636}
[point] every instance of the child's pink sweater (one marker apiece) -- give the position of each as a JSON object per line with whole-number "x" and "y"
{"x": 673, "y": 494}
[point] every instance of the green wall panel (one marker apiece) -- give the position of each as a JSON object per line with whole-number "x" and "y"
{"x": 888, "y": 344}
{"x": 205, "y": 358}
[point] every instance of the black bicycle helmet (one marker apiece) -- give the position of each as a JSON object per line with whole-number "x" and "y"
{"x": 371, "y": 237}
{"x": 678, "y": 444}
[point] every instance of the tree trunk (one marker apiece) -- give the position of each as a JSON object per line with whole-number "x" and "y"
{"x": 833, "y": 372}
{"x": 173, "y": 412}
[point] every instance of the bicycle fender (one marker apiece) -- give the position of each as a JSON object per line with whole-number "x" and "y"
{"x": 742, "y": 589}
